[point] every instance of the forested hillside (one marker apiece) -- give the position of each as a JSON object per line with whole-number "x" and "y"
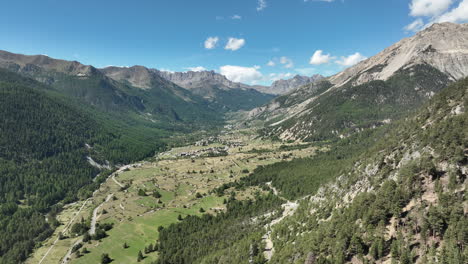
{"x": 395, "y": 194}
{"x": 349, "y": 109}
{"x": 45, "y": 141}
{"x": 160, "y": 103}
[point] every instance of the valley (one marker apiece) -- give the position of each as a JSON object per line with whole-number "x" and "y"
{"x": 183, "y": 178}
{"x": 252, "y": 137}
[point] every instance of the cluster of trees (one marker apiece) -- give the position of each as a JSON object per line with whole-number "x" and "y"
{"x": 215, "y": 239}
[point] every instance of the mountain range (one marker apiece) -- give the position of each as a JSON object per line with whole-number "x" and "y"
{"x": 375, "y": 91}
{"x": 123, "y": 87}
{"x": 386, "y": 181}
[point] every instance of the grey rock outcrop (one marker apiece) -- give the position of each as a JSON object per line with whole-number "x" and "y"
{"x": 285, "y": 86}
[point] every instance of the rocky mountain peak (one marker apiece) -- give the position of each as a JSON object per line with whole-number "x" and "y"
{"x": 285, "y": 86}
{"x": 193, "y": 80}
{"x": 444, "y": 46}
{"x": 36, "y": 63}
{"x": 138, "y": 76}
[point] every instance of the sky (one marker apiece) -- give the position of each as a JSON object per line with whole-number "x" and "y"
{"x": 251, "y": 41}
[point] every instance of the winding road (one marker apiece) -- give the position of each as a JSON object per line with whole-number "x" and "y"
{"x": 92, "y": 229}
{"x": 289, "y": 208}
{"x": 64, "y": 230}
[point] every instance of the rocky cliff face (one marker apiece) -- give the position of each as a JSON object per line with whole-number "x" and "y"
{"x": 194, "y": 80}
{"x": 443, "y": 46}
{"x": 285, "y": 86}
{"x": 216, "y": 88}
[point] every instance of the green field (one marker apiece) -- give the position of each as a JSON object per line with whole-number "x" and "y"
{"x": 185, "y": 185}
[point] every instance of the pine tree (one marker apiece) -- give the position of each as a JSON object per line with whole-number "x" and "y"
{"x": 105, "y": 258}
{"x": 140, "y": 256}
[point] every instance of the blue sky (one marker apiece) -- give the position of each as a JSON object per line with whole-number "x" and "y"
{"x": 173, "y": 34}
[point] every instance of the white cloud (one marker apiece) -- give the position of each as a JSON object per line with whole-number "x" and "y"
{"x": 436, "y": 11}
{"x": 196, "y": 69}
{"x": 241, "y": 74}
{"x": 351, "y": 59}
{"x": 165, "y": 70}
{"x": 417, "y": 25}
{"x": 271, "y": 63}
{"x": 210, "y": 43}
{"x": 320, "y": 58}
{"x": 429, "y": 7}
{"x": 458, "y": 14}
{"x": 261, "y": 5}
{"x": 278, "y": 76}
{"x": 236, "y": 17}
{"x": 287, "y": 62}
{"x": 306, "y": 71}
{"x": 234, "y": 44}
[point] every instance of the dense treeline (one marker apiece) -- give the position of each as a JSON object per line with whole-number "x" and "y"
{"x": 234, "y": 236}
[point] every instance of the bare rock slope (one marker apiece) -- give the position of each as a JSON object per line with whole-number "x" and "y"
{"x": 443, "y": 46}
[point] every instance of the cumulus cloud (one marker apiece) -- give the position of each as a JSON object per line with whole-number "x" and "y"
{"x": 287, "y": 62}
{"x": 320, "y": 58}
{"x": 196, "y": 69}
{"x": 241, "y": 74}
{"x": 458, "y": 14}
{"x": 165, "y": 70}
{"x": 306, "y": 71}
{"x": 436, "y": 11}
{"x": 278, "y": 76}
{"x": 429, "y": 7}
{"x": 271, "y": 63}
{"x": 417, "y": 25}
{"x": 261, "y": 5}
{"x": 234, "y": 44}
{"x": 351, "y": 59}
{"x": 210, "y": 43}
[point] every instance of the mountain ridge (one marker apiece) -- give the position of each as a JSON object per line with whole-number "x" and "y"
{"x": 429, "y": 46}
{"x": 300, "y": 114}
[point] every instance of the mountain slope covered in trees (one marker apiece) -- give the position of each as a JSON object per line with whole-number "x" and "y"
{"x": 394, "y": 194}
{"x": 46, "y": 140}
{"x": 161, "y": 102}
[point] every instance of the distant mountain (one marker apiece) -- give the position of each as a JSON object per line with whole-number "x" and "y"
{"x": 285, "y": 86}
{"x": 218, "y": 89}
{"x": 146, "y": 94}
{"x": 376, "y": 91}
